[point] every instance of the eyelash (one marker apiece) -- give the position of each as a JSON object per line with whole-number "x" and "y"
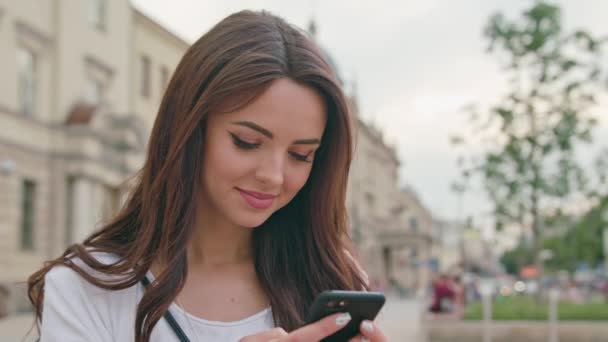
{"x": 240, "y": 143}
{"x": 300, "y": 157}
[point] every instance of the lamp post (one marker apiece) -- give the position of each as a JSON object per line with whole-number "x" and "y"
{"x": 541, "y": 258}
{"x": 605, "y": 241}
{"x": 486, "y": 289}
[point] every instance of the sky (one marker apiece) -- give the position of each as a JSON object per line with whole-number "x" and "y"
{"x": 415, "y": 63}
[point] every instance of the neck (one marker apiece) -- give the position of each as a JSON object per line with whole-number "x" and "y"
{"x": 217, "y": 242}
{"x": 219, "y": 245}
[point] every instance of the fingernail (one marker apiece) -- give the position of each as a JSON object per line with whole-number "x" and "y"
{"x": 364, "y": 339}
{"x": 367, "y": 326}
{"x": 343, "y": 319}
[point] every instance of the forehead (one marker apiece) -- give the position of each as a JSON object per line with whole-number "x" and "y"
{"x": 285, "y": 108}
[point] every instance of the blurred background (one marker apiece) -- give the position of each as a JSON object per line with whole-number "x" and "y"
{"x": 478, "y": 195}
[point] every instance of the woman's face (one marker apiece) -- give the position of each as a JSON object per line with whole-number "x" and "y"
{"x": 257, "y": 158}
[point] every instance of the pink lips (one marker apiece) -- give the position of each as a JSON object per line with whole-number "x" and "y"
{"x": 256, "y": 199}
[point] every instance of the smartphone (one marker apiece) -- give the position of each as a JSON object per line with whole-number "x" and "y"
{"x": 360, "y": 304}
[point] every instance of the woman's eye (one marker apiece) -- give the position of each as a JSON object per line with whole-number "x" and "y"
{"x": 242, "y": 143}
{"x": 300, "y": 157}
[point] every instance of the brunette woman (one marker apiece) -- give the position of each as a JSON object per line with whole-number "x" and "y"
{"x": 237, "y": 219}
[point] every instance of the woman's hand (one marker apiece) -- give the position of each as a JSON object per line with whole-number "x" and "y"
{"x": 311, "y": 332}
{"x": 370, "y": 332}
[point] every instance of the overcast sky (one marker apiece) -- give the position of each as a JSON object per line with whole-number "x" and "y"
{"x": 416, "y": 64}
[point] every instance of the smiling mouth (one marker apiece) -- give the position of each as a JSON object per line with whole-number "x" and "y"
{"x": 257, "y": 200}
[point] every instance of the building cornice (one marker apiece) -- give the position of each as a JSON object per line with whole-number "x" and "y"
{"x": 66, "y": 156}
{"x": 376, "y": 137}
{"x": 41, "y": 38}
{"x": 97, "y": 64}
{"x": 4, "y": 110}
{"x": 146, "y": 20}
{"x": 79, "y": 131}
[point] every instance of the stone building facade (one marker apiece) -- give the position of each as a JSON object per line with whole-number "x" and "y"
{"x": 395, "y": 234}
{"x": 81, "y": 84}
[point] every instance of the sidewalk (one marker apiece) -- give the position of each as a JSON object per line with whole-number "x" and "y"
{"x": 15, "y": 328}
{"x": 400, "y": 320}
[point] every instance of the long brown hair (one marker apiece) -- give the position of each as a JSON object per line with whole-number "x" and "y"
{"x": 301, "y": 250}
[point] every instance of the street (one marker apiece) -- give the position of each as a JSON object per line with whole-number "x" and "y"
{"x": 400, "y": 320}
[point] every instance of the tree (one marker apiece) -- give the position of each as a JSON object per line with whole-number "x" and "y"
{"x": 529, "y": 169}
{"x": 515, "y": 259}
{"x": 582, "y": 242}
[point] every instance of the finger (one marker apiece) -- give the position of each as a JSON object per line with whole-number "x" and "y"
{"x": 267, "y": 335}
{"x": 371, "y": 331}
{"x": 320, "y": 329}
{"x": 356, "y": 338}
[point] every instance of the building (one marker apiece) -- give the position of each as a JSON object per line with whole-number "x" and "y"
{"x": 81, "y": 84}
{"x": 394, "y": 232}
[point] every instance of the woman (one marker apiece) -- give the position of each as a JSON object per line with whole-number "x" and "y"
{"x": 237, "y": 219}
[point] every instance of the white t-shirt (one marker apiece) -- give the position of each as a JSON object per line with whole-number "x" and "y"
{"x": 76, "y": 310}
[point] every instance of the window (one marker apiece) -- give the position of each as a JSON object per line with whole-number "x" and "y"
{"x": 110, "y": 202}
{"x": 369, "y": 198}
{"x": 145, "y": 76}
{"x": 98, "y": 78}
{"x": 97, "y": 14}
{"x": 164, "y": 78}
{"x": 28, "y": 193}
{"x": 94, "y": 91}
{"x": 26, "y": 88}
{"x": 414, "y": 253}
{"x": 414, "y": 224}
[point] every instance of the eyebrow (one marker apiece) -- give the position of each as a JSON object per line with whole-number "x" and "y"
{"x": 255, "y": 127}
{"x": 268, "y": 134}
{"x": 307, "y": 142}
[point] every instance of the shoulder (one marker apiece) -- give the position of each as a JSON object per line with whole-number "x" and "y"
{"x": 62, "y": 274}
{"x": 64, "y": 279}
{"x": 76, "y": 308}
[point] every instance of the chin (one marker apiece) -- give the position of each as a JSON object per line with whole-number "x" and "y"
{"x": 251, "y": 221}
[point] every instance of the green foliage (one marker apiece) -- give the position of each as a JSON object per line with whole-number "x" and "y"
{"x": 581, "y": 243}
{"x": 527, "y": 308}
{"x": 515, "y": 259}
{"x": 536, "y": 128}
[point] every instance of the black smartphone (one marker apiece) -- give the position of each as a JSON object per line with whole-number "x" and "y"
{"x": 360, "y": 304}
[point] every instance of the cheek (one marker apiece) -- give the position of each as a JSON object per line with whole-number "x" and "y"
{"x": 295, "y": 180}
{"x": 224, "y": 164}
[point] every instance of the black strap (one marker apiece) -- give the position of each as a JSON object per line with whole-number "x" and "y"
{"x": 181, "y": 335}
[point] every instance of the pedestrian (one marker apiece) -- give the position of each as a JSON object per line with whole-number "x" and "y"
{"x": 459, "y": 296}
{"x": 443, "y": 295}
{"x": 237, "y": 219}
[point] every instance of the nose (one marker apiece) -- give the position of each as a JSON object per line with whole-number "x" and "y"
{"x": 270, "y": 170}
